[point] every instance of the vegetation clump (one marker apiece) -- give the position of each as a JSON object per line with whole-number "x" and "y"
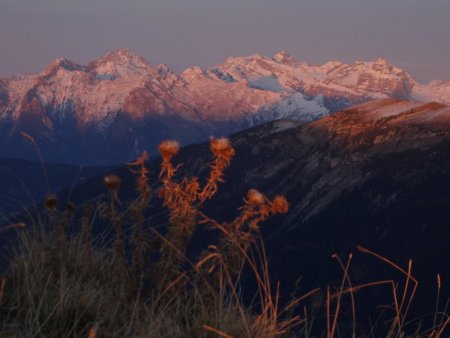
{"x": 140, "y": 282}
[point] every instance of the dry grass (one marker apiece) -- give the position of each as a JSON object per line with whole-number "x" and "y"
{"x": 139, "y": 282}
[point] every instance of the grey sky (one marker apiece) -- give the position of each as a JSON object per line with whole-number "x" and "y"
{"x": 413, "y": 34}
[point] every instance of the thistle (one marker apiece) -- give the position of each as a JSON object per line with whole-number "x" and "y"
{"x": 113, "y": 182}
{"x": 184, "y": 199}
{"x": 138, "y": 209}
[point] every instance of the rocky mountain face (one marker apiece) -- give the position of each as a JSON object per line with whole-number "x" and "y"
{"x": 376, "y": 175}
{"x": 111, "y": 109}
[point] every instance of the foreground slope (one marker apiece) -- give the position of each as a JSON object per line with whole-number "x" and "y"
{"x": 377, "y": 175}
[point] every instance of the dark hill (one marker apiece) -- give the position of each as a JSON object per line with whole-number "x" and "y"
{"x": 376, "y": 175}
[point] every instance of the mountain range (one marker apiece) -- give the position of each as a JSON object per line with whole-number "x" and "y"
{"x": 112, "y": 109}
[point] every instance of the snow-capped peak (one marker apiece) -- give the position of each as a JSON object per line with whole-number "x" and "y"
{"x": 382, "y": 65}
{"x": 122, "y": 56}
{"x": 283, "y": 57}
{"x": 192, "y": 73}
{"x": 381, "y": 60}
{"x": 163, "y": 69}
{"x": 121, "y": 63}
{"x": 61, "y": 63}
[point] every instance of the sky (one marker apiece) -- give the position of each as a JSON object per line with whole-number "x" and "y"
{"x": 412, "y": 34}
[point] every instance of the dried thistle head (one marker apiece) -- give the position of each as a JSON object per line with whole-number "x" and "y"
{"x": 93, "y": 331}
{"x": 71, "y": 207}
{"x": 221, "y": 147}
{"x": 51, "y": 201}
{"x": 161, "y": 193}
{"x": 112, "y": 181}
{"x": 168, "y": 149}
{"x": 254, "y": 197}
{"x": 280, "y": 205}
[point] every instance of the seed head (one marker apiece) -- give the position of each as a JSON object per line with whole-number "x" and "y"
{"x": 221, "y": 147}
{"x": 161, "y": 193}
{"x": 280, "y": 205}
{"x": 71, "y": 206}
{"x": 51, "y": 201}
{"x": 254, "y": 197}
{"x": 168, "y": 149}
{"x": 112, "y": 181}
{"x": 93, "y": 331}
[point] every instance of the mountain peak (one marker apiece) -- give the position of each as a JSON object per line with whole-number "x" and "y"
{"x": 163, "y": 69}
{"x": 123, "y": 56}
{"x": 192, "y": 72}
{"x": 283, "y": 57}
{"x": 381, "y": 60}
{"x": 121, "y": 63}
{"x": 61, "y": 63}
{"x": 382, "y": 65}
{"x": 119, "y": 54}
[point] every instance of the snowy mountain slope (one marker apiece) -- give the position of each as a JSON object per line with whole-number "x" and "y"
{"x": 435, "y": 90}
{"x": 375, "y": 79}
{"x": 122, "y": 81}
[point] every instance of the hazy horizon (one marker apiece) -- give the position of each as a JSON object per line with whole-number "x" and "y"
{"x": 412, "y": 34}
